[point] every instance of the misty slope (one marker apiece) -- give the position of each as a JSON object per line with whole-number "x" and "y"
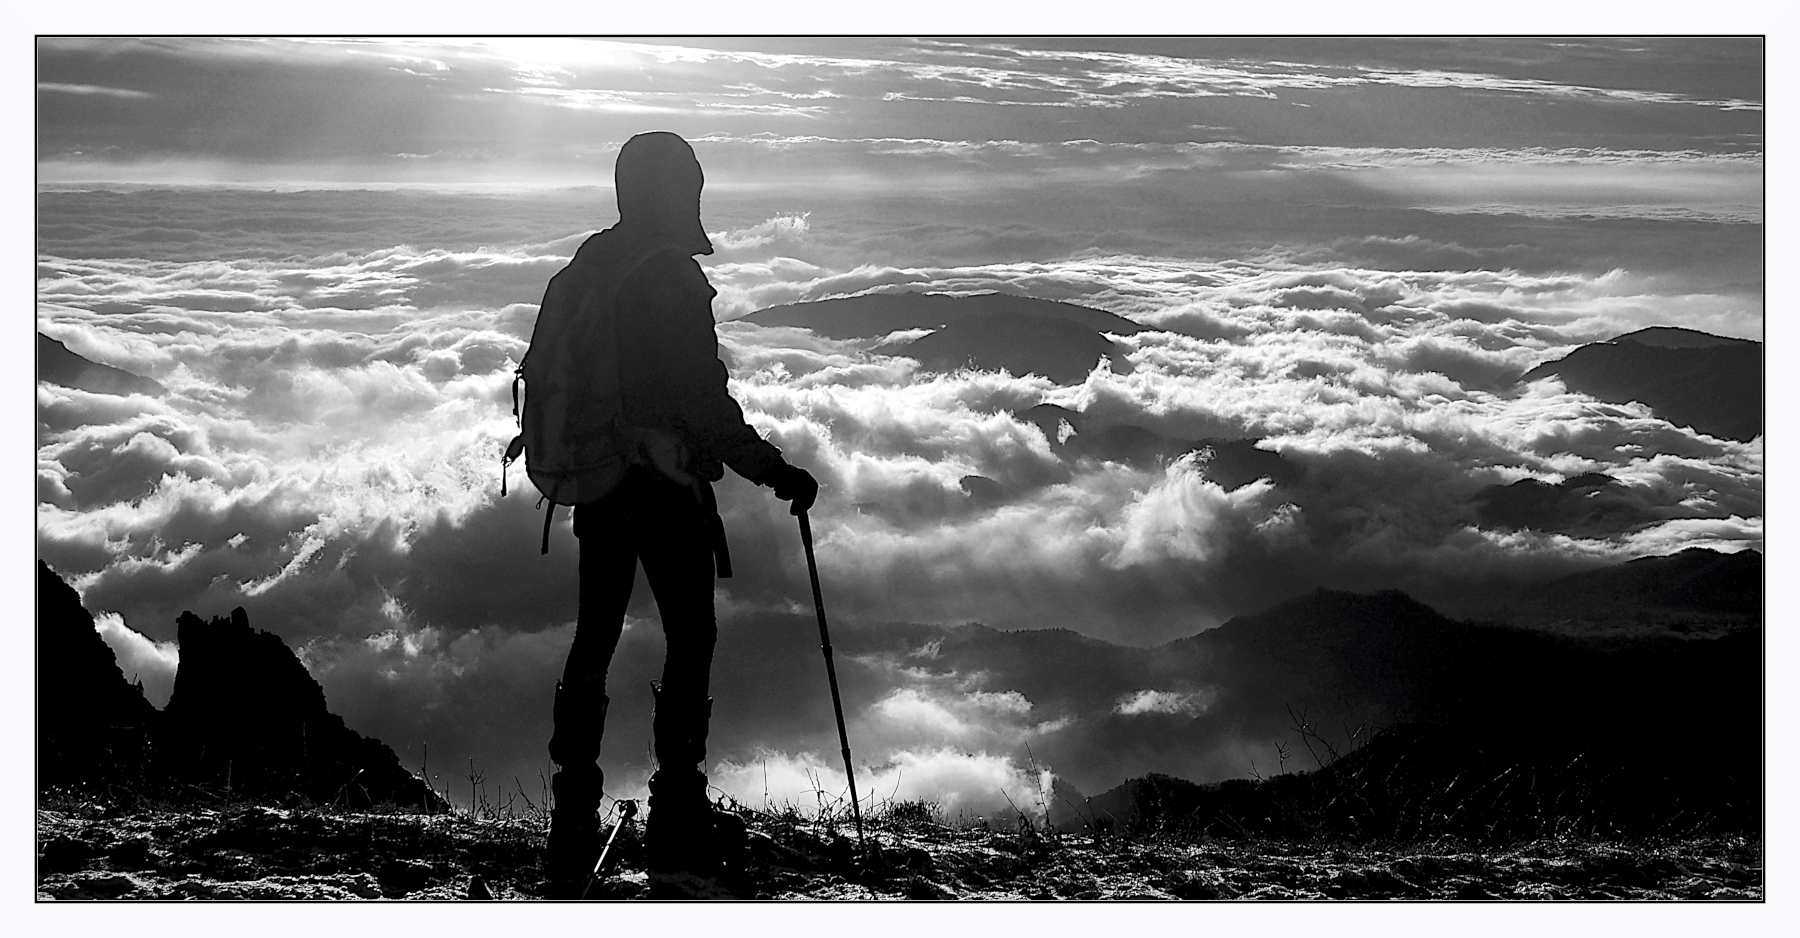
{"x": 874, "y": 315}
{"x": 1543, "y": 733}
{"x": 1694, "y": 592}
{"x": 1206, "y": 707}
{"x": 58, "y": 365}
{"x": 1689, "y": 378}
{"x": 1419, "y": 782}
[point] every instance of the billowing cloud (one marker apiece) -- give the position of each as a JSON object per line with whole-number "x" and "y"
{"x": 327, "y": 430}
{"x": 1164, "y": 701}
{"x": 963, "y": 787}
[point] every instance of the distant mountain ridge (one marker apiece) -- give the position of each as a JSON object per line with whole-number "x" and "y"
{"x": 1677, "y": 337}
{"x": 1203, "y": 707}
{"x": 1713, "y": 384}
{"x": 1592, "y": 504}
{"x": 873, "y": 315}
{"x": 1417, "y": 704}
{"x": 1062, "y": 350}
{"x": 1697, "y": 591}
{"x": 985, "y": 331}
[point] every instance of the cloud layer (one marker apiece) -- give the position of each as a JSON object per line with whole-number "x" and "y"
{"x": 327, "y": 456}
{"x": 1344, "y": 250}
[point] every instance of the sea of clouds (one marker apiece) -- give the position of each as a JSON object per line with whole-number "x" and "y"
{"x": 339, "y": 367}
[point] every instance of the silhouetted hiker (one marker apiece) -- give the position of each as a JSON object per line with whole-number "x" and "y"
{"x": 672, "y": 387}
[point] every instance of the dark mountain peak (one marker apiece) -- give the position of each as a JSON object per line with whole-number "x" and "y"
{"x": 872, "y": 315}
{"x": 1591, "y": 504}
{"x": 1710, "y": 383}
{"x": 92, "y": 723}
{"x": 1337, "y": 628}
{"x": 1229, "y": 462}
{"x": 1063, "y": 350}
{"x": 1239, "y": 462}
{"x": 1692, "y": 592}
{"x": 1335, "y": 603}
{"x": 247, "y": 714}
{"x": 74, "y": 658}
{"x": 976, "y": 632}
{"x": 57, "y": 365}
{"x": 1676, "y": 337}
{"x": 228, "y": 667}
{"x": 985, "y": 491}
{"x": 1587, "y": 480}
{"x": 1049, "y": 418}
{"x": 1331, "y": 618}
{"x": 1646, "y": 571}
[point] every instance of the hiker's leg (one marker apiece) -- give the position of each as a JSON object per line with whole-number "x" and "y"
{"x": 678, "y": 562}
{"x": 608, "y": 564}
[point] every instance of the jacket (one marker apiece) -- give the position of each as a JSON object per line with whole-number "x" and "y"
{"x": 670, "y": 375}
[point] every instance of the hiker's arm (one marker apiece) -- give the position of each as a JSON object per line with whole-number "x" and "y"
{"x": 691, "y": 381}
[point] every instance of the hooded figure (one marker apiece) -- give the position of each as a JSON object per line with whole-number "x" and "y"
{"x": 671, "y": 380}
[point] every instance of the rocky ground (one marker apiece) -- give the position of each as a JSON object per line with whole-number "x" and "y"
{"x": 89, "y": 851}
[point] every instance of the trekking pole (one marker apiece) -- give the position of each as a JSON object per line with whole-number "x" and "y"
{"x": 837, "y": 703}
{"x": 627, "y": 811}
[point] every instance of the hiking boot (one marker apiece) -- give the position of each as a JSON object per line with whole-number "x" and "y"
{"x": 691, "y": 849}
{"x": 573, "y": 845}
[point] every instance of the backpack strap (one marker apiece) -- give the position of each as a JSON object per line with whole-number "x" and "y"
{"x": 549, "y": 514}
{"x": 518, "y": 376}
{"x": 513, "y": 450}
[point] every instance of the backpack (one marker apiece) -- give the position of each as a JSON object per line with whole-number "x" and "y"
{"x": 572, "y": 430}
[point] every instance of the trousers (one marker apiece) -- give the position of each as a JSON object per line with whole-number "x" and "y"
{"x": 664, "y": 526}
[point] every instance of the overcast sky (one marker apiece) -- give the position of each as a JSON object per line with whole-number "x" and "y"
{"x": 330, "y": 252}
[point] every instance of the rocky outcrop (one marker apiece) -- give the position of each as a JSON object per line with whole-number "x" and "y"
{"x": 246, "y": 715}
{"x": 246, "y": 719}
{"x": 93, "y": 726}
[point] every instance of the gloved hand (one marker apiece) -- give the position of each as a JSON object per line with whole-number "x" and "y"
{"x": 792, "y": 483}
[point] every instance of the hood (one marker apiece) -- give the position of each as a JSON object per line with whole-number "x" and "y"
{"x": 658, "y": 181}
